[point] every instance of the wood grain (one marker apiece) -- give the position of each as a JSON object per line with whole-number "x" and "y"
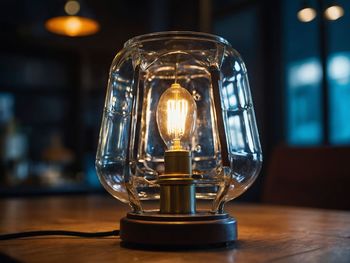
{"x": 266, "y": 233}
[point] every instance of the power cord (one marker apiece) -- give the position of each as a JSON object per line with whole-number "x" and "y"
{"x": 58, "y": 233}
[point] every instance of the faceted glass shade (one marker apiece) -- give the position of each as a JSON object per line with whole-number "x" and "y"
{"x": 224, "y": 141}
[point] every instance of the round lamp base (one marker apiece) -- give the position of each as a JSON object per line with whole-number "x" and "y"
{"x": 152, "y": 229}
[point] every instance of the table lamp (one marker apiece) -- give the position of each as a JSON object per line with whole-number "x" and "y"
{"x": 178, "y": 138}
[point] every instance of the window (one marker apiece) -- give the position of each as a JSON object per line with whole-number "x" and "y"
{"x": 303, "y": 79}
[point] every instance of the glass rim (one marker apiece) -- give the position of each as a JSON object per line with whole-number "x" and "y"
{"x": 190, "y": 35}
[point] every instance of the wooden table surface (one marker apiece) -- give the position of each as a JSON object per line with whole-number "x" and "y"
{"x": 266, "y": 233}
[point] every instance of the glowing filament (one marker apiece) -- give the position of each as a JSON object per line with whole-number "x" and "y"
{"x": 177, "y": 113}
{"x": 176, "y": 117}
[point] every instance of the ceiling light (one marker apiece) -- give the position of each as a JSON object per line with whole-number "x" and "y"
{"x": 72, "y": 7}
{"x": 334, "y": 12}
{"x": 306, "y": 14}
{"x": 70, "y": 23}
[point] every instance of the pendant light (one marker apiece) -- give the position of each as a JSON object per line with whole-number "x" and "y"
{"x": 73, "y": 22}
{"x": 306, "y": 13}
{"x": 334, "y": 11}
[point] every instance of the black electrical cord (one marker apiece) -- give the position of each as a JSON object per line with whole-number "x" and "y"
{"x": 59, "y": 233}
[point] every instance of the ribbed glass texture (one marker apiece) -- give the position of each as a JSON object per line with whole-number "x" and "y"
{"x": 130, "y": 154}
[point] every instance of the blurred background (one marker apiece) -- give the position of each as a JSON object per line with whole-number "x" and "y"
{"x": 53, "y": 80}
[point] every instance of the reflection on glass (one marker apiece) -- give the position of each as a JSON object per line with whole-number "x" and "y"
{"x": 236, "y": 134}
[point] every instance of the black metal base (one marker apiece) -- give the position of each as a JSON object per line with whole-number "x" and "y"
{"x": 165, "y": 230}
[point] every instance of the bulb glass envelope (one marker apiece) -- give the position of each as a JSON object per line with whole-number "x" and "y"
{"x": 219, "y": 129}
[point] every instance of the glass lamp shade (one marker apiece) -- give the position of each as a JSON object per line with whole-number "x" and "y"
{"x": 185, "y": 90}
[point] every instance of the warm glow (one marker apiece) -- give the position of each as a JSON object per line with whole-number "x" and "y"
{"x": 72, "y": 7}
{"x": 177, "y": 113}
{"x": 334, "y": 12}
{"x": 306, "y": 14}
{"x": 176, "y": 116}
{"x": 72, "y": 26}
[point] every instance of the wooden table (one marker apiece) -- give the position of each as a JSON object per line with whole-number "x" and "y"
{"x": 266, "y": 233}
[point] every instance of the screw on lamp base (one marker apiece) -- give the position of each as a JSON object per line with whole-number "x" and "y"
{"x": 152, "y": 229}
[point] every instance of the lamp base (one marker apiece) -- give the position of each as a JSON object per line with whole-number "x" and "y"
{"x": 169, "y": 230}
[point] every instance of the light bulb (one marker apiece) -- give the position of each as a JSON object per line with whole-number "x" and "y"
{"x": 334, "y": 12}
{"x": 306, "y": 14}
{"x": 72, "y": 7}
{"x": 176, "y": 117}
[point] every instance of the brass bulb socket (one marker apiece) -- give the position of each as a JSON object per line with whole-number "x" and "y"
{"x": 178, "y": 162}
{"x": 177, "y": 188}
{"x": 177, "y": 196}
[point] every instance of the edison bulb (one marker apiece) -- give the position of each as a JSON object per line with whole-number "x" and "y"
{"x": 176, "y": 117}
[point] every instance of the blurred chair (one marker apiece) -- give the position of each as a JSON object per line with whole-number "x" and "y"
{"x": 315, "y": 177}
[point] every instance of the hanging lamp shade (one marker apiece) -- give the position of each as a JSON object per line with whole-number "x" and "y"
{"x": 74, "y": 22}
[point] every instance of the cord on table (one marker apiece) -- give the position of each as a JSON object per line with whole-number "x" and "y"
{"x": 59, "y": 233}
